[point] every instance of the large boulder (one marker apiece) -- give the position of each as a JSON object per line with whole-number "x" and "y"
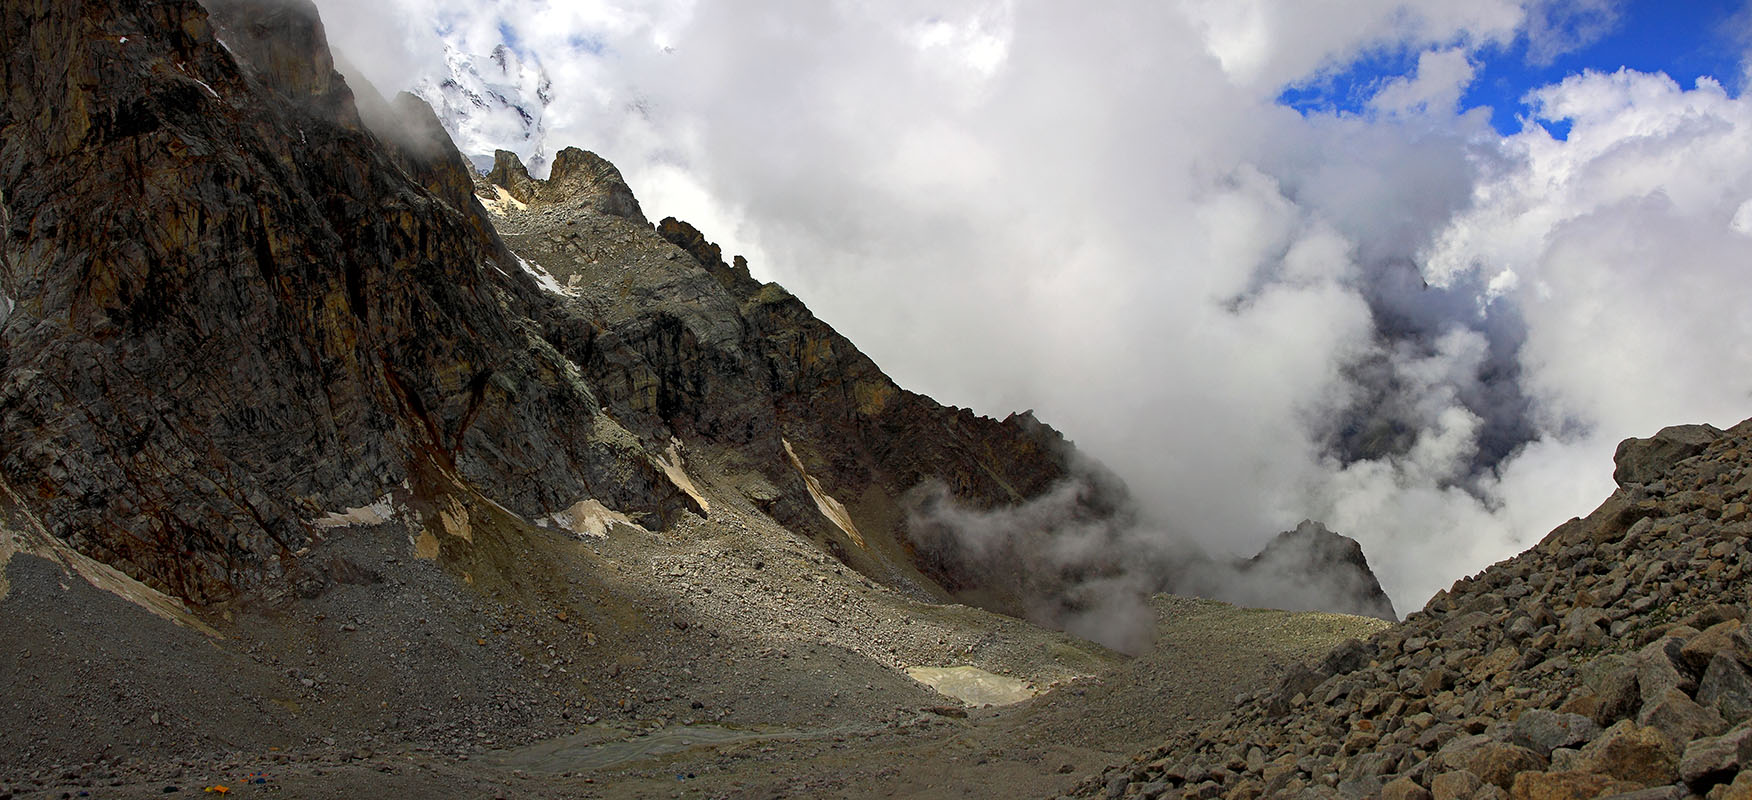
{"x": 1644, "y": 461}
{"x": 1631, "y": 752}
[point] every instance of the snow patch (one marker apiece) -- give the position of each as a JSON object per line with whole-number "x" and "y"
{"x": 542, "y": 277}
{"x": 184, "y": 69}
{"x": 829, "y": 507}
{"x": 973, "y": 686}
{"x": 587, "y": 517}
{"x": 672, "y": 466}
{"x": 381, "y": 511}
{"x": 503, "y": 204}
{"x": 492, "y": 101}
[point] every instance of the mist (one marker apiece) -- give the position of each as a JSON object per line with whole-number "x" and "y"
{"x": 1393, "y": 320}
{"x": 1066, "y": 561}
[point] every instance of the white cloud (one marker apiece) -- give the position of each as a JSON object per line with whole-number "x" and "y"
{"x": 1266, "y": 44}
{"x": 1557, "y": 27}
{"x": 1623, "y": 240}
{"x": 1442, "y": 77}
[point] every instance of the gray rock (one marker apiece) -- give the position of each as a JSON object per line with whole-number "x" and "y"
{"x": 1727, "y": 688}
{"x": 1713, "y": 760}
{"x": 1494, "y": 762}
{"x": 1360, "y": 788}
{"x": 1437, "y": 680}
{"x": 1721, "y": 637}
{"x": 1349, "y": 656}
{"x": 1584, "y": 627}
{"x": 1651, "y": 793}
{"x": 1658, "y": 669}
{"x": 1404, "y": 789}
{"x": 1620, "y": 695}
{"x": 1631, "y": 752}
{"x": 1543, "y": 731}
{"x": 1457, "y": 785}
{"x": 1680, "y": 718}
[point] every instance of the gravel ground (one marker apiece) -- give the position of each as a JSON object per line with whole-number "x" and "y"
{"x": 535, "y": 663}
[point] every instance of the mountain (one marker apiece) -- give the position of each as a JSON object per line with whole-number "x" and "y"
{"x": 329, "y": 464}
{"x": 237, "y": 309}
{"x": 270, "y": 377}
{"x": 296, "y": 316}
{"x": 492, "y": 101}
{"x": 1327, "y": 570}
{"x": 682, "y": 345}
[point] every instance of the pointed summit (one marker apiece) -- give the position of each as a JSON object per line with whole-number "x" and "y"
{"x": 580, "y": 179}
{"x": 508, "y": 172}
{"x": 1328, "y": 567}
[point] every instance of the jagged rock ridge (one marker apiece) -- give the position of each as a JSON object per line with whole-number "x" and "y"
{"x": 294, "y": 306}
{"x": 697, "y": 348}
{"x": 681, "y": 344}
{"x": 580, "y": 179}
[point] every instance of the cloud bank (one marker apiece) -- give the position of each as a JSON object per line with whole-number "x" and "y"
{"x": 1398, "y": 322}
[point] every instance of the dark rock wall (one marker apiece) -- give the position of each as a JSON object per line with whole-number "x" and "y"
{"x": 236, "y": 308}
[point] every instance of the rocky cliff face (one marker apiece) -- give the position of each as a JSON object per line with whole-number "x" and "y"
{"x": 1611, "y": 660}
{"x": 234, "y": 307}
{"x": 580, "y": 181}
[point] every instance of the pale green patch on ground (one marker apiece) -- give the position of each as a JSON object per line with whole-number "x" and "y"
{"x": 973, "y": 686}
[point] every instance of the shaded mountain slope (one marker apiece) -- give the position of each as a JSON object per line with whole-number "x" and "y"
{"x": 684, "y": 345}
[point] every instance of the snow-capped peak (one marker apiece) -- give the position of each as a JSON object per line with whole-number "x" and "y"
{"x": 492, "y": 102}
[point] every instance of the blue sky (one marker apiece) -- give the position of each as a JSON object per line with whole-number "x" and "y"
{"x": 1686, "y": 39}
